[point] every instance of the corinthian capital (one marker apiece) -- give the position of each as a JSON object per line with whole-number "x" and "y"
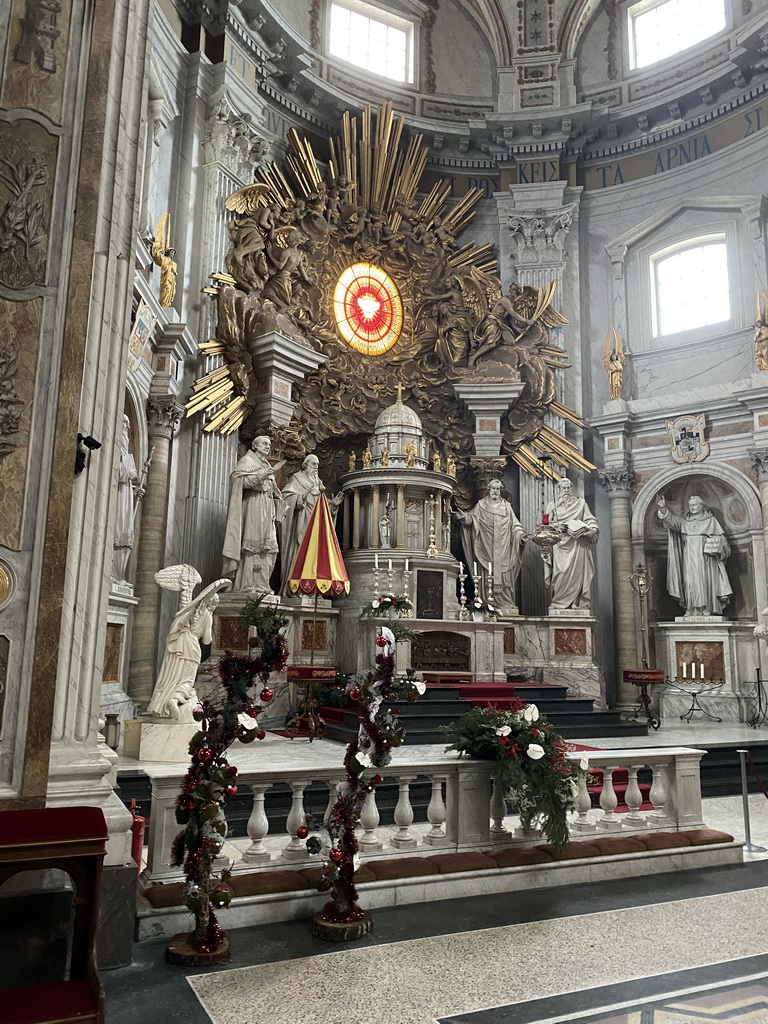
{"x": 617, "y": 480}
{"x": 759, "y": 457}
{"x": 540, "y": 236}
{"x": 163, "y": 415}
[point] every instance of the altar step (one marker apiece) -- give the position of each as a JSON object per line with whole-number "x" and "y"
{"x": 442, "y": 704}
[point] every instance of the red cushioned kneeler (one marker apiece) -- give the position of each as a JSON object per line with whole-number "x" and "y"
{"x": 73, "y": 840}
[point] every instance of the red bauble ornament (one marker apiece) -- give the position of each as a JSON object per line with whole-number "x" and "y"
{"x": 336, "y": 855}
{"x": 231, "y": 771}
{"x": 302, "y": 831}
{"x": 376, "y": 780}
{"x": 204, "y": 754}
{"x": 266, "y": 695}
{"x": 381, "y": 641}
{"x": 260, "y": 734}
{"x": 230, "y": 791}
{"x": 354, "y": 694}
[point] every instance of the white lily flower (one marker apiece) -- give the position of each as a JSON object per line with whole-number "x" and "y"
{"x": 421, "y": 687}
{"x": 584, "y": 761}
{"x": 503, "y": 730}
{"x": 535, "y": 751}
{"x": 375, "y": 604}
{"x": 247, "y": 722}
{"x": 356, "y": 862}
{"x": 363, "y": 760}
{"x": 531, "y": 713}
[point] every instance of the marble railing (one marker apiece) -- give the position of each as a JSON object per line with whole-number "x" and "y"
{"x": 466, "y": 810}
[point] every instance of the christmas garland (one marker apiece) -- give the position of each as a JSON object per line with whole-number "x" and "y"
{"x": 211, "y": 779}
{"x": 384, "y": 603}
{"x": 531, "y": 763}
{"x": 379, "y": 731}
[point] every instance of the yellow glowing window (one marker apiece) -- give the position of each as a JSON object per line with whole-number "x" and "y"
{"x": 368, "y": 309}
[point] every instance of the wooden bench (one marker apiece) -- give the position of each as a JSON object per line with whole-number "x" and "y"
{"x": 73, "y": 840}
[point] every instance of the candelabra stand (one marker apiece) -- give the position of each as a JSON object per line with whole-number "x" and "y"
{"x": 640, "y": 581}
{"x": 432, "y": 549}
{"x": 391, "y": 578}
{"x": 376, "y": 591}
{"x": 407, "y": 613}
{"x": 464, "y": 614}
{"x": 477, "y": 597}
{"x": 491, "y": 616}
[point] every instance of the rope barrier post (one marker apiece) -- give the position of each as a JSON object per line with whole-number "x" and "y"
{"x": 748, "y": 844}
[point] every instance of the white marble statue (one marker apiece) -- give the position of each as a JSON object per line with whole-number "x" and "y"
{"x": 570, "y": 565}
{"x": 255, "y": 508}
{"x": 697, "y": 550}
{"x": 299, "y": 497}
{"x": 126, "y": 480}
{"x": 174, "y": 695}
{"x": 492, "y": 537}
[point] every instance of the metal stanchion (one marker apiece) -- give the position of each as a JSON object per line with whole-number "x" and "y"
{"x": 748, "y": 844}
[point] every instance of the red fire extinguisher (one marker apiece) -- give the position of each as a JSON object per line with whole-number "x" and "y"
{"x": 137, "y": 834}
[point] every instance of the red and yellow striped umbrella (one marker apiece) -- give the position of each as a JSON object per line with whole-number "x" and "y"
{"x": 318, "y": 567}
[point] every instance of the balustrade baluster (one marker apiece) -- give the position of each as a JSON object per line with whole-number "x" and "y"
{"x": 296, "y": 848}
{"x": 660, "y": 794}
{"x": 369, "y": 819}
{"x": 257, "y": 827}
{"x": 609, "y": 800}
{"x": 633, "y": 799}
{"x": 436, "y": 814}
{"x": 583, "y": 806}
{"x": 403, "y": 840}
{"x": 498, "y": 811}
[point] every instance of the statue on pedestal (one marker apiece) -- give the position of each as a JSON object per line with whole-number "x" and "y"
{"x": 492, "y": 537}
{"x": 570, "y": 566}
{"x": 174, "y": 695}
{"x": 696, "y": 574}
{"x": 124, "y": 532}
{"x": 299, "y": 496}
{"x": 614, "y": 361}
{"x": 255, "y": 508}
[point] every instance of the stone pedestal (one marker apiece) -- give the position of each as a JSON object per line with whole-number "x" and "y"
{"x": 562, "y": 646}
{"x": 154, "y": 740}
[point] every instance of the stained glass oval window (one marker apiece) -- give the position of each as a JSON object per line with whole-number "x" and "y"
{"x": 368, "y": 308}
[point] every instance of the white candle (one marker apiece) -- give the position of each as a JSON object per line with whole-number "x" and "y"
{"x": 685, "y": 670}
{"x": 390, "y": 564}
{"x": 474, "y": 568}
{"x": 490, "y": 569}
{"x": 701, "y": 670}
{"x": 461, "y": 568}
{"x": 376, "y": 561}
{"x": 406, "y": 565}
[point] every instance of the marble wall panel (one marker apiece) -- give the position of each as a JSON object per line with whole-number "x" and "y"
{"x": 570, "y": 642}
{"x": 19, "y": 333}
{"x": 231, "y": 633}
{"x": 112, "y": 651}
{"x": 35, "y": 60}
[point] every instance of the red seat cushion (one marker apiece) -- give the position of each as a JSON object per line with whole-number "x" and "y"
{"x": 259, "y": 883}
{"x": 62, "y": 1001}
{"x": 51, "y": 825}
{"x": 664, "y": 840}
{"x": 707, "y": 836}
{"x": 165, "y": 895}
{"x": 613, "y": 845}
{"x": 402, "y": 867}
{"x": 514, "y": 858}
{"x": 312, "y": 875}
{"x": 571, "y": 851}
{"x": 449, "y": 862}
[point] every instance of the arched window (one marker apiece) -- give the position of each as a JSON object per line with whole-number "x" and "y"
{"x": 690, "y": 285}
{"x": 371, "y": 38}
{"x": 661, "y": 28}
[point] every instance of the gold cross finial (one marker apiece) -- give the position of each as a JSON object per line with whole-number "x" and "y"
{"x": 400, "y": 393}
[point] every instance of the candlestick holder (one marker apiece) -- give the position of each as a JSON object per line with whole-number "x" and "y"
{"x": 464, "y": 613}
{"x": 432, "y": 549}
{"x": 407, "y": 613}
{"x": 391, "y": 578}
{"x": 376, "y": 591}
{"x": 477, "y": 597}
{"x": 491, "y": 616}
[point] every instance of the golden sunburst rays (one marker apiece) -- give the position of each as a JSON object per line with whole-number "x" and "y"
{"x": 541, "y": 455}
{"x": 215, "y": 393}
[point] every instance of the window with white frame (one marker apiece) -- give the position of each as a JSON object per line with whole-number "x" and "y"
{"x": 371, "y": 38}
{"x": 661, "y": 28}
{"x": 690, "y": 285}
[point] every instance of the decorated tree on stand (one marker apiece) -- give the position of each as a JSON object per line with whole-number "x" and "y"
{"x": 380, "y": 730}
{"x": 211, "y": 780}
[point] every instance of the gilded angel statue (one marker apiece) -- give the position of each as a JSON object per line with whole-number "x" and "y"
{"x": 164, "y": 256}
{"x": 614, "y": 361}
{"x": 761, "y": 331}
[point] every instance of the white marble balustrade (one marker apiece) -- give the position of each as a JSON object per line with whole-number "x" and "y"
{"x": 466, "y": 811}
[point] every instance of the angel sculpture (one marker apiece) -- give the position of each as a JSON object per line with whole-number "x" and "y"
{"x": 164, "y": 256}
{"x": 761, "y": 331}
{"x": 614, "y": 362}
{"x": 174, "y": 695}
{"x": 249, "y": 229}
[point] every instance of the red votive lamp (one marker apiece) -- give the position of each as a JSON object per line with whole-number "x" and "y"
{"x": 545, "y": 519}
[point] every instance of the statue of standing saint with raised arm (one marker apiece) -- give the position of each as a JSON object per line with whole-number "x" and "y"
{"x": 696, "y": 574}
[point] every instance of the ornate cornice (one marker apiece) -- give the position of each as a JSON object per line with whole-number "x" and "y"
{"x": 163, "y": 416}
{"x": 617, "y": 480}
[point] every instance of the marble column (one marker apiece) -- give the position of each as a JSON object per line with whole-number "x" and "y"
{"x": 163, "y": 415}
{"x": 759, "y": 458}
{"x": 618, "y": 481}
{"x": 400, "y": 533}
{"x": 355, "y": 518}
{"x": 374, "y": 531}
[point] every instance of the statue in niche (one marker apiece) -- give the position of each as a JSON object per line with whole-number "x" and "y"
{"x": 493, "y": 538}
{"x": 761, "y": 331}
{"x": 255, "y": 508}
{"x": 697, "y": 550}
{"x": 299, "y": 496}
{"x": 126, "y": 505}
{"x": 385, "y": 527}
{"x": 164, "y": 257}
{"x": 614, "y": 362}
{"x": 174, "y": 695}
{"x": 570, "y": 565}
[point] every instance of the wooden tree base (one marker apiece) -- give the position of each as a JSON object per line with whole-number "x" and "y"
{"x": 341, "y": 931}
{"x": 179, "y": 951}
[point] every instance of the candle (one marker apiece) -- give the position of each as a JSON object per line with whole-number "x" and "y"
{"x": 390, "y": 564}
{"x": 685, "y": 670}
{"x": 474, "y": 568}
{"x": 461, "y": 573}
{"x": 376, "y": 561}
{"x": 701, "y": 670}
{"x": 490, "y": 569}
{"x": 406, "y": 565}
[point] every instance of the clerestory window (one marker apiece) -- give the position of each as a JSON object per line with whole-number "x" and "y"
{"x": 690, "y": 285}
{"x": 661, "y": 28}
{"x": 373, "y": 39}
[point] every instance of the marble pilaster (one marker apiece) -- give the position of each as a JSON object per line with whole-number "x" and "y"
{"x": 759, "y": 459}
{"x": 618, "y": 481}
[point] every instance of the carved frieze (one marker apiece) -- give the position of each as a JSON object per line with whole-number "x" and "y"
{"x": 617, "y": 480}
{"x": 163, "y": 415}
{"x": 27, "y": 160}
{"x": 10, "y": 403}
